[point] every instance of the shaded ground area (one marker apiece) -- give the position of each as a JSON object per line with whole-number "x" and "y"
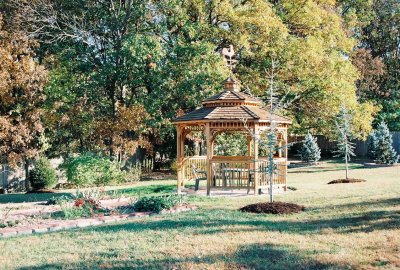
{"x": 273, "y": 208}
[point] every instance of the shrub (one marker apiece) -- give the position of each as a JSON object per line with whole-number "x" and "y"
{"x": 43, "y": 175}
{"x": 372, "y": 145}
{"x": 157, "y": 203}
{"x": 90, "y": 170}
{"x": 133, "y": 173}
{"x": 310, "y": 151}
{"x": 59, "y": 200}
{"x": 82, "y": 205}
{"x": 384, "y": 152}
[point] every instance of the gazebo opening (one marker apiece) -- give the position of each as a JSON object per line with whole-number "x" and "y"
{"x": 226, "y": 132}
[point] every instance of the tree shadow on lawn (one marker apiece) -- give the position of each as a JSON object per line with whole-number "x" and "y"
{"x": 254, "y": 256}
{"x": 323, "y": 169}
{"x": 368, "y": 204}
{"x": 148, "y": 190}
{"x": 29, "y": 197}
{"x": 220, "y": 221}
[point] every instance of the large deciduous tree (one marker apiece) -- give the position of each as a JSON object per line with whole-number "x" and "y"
{"x": 155, "y": 58}
{"x": 21, "y": 95}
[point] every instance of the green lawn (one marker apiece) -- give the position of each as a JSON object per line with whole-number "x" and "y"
{"x": 346, "y": 226}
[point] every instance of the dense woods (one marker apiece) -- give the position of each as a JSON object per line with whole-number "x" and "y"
{"x": 108, "y": 76}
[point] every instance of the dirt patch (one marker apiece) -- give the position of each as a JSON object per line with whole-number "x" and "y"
{"x": 346, "y": 181}
{"x": 273, "y": 208}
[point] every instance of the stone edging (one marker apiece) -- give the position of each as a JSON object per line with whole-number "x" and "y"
{"x": 58, "y": 225}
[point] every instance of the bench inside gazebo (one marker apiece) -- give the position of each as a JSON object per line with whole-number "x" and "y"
{"x": 231, "y": 111}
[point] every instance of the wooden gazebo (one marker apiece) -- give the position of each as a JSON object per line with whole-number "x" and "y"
{"x": 231, "y": 111}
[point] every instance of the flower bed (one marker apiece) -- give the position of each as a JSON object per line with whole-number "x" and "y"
{"x": 41, "y": 218}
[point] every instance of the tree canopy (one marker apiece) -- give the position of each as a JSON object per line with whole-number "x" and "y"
{"x": 119, "y": 71}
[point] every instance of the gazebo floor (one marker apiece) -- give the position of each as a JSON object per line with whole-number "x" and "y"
{"x": 226, "y": 192}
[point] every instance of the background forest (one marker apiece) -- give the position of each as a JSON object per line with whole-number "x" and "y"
{"x": 107, "y": 76}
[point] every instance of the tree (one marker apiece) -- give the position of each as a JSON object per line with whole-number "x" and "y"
{"x": 383, "y": 150}
{"x": 376, "y": 25}
{"x": 21, "y": 96}
{"x": 268, "y": 139}
{"x": 114, "y": 57}
{"x": 345, "y": 135}
{"x": 310, "y": 151}
{"x": 372, "y": 145}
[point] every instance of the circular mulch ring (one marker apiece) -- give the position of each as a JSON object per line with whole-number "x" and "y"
{"x": 346, "y": 181}
{"x": 273, "y": 208}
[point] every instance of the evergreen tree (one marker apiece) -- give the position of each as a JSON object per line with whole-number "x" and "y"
{"x": 384, "y": 152}
{"x": 310, "y": 151}
{"x": 345, "y": 146}
{"x": 372, "y": 145}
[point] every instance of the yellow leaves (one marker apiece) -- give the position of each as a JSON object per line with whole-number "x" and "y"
{"x": 362, "y": 119}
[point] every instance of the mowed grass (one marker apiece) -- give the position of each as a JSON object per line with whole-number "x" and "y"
{"x": 346, "y": 226}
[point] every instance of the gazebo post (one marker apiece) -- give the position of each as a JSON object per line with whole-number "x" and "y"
{"x": 179, "y": 158}
{"x": 248, "y": 145}
{"x": 209, "y": 156}
{"x": 256, "y": 174}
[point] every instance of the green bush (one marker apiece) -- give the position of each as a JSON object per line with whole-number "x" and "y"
{"x": 90, "y": 170}
{"x": 43, "y": 175}
{"x": 157, "y": 203}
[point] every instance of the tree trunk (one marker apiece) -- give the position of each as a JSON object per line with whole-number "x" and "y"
{"x": 26, "y": 167}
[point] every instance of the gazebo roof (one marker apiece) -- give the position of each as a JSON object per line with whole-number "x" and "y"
{"x": 231, "y": 104}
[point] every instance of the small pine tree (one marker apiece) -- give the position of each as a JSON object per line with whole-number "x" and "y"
{"x": 372, "y": 145}
{"x": 310, "y": 151}
{"x": 345, "y": 146}
{"x": 43, "y": 175}
{"x": 384, "y": 151}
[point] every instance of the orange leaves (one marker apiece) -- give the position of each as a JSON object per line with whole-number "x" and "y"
{"x": 124, "y": 130}
{"x": 21, "y": 84}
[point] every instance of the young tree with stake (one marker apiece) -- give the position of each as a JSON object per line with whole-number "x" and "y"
{"x": 268, "y": 139}
{"x": 345, "y": 135}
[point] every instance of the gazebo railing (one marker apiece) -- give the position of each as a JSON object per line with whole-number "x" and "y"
{"x": 236, "y": 172}
{"x": 199, "y": 162}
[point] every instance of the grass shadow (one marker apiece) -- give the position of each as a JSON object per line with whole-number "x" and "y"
{"x": 29, "y": 197}
{"x": 254, "y": 256}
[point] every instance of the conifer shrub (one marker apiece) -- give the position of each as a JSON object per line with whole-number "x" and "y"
{"x": 42, "y": 175}
{"x": 310, "y": 152}
{"x": 381, "y": 149}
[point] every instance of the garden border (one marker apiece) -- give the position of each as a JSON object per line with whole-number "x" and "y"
{"x": 59, "y": 225}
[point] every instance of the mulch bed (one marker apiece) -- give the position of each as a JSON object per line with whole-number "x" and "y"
{"x": 273, "y": 208}
{"x": 346, "y": 181}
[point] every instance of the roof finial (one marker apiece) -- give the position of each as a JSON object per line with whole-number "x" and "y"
{"x": 228, "y": 53}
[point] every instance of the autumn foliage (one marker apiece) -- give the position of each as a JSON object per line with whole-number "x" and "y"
{"x": 21, "y": 93}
